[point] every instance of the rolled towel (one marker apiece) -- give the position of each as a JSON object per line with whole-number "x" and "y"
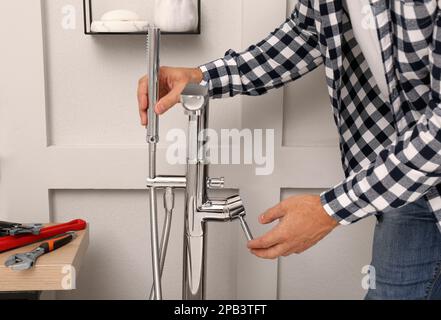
{"x": 119, "y": 26}
{"x": 119, "y": 21}
{"x": 120, "y": 15}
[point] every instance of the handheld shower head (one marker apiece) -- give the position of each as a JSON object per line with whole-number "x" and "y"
{"x": 153, "y": 44}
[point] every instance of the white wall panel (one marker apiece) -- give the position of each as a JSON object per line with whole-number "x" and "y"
{"x": 331, "y": 269}
{"x": 307, "y": 117}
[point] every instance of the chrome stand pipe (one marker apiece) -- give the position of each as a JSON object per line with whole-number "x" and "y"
{"x": 153, "y": 44}
{"x": 199, "y": 208}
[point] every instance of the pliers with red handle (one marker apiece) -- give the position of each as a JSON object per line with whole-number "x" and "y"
{"x": 25, "y": 261}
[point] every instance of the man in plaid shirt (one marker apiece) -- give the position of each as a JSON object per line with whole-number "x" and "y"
{"x": 384, "y": 83}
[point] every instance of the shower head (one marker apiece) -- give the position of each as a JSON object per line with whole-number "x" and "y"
{"x": 153, "y": 44}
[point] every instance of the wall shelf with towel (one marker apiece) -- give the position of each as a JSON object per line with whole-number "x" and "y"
{"x": 89, "y": 20}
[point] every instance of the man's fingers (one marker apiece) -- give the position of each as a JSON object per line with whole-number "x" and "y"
{"x": 295, "y": 250}
{"x": 143, "y": 112}
{"x": 143, "y": 100}
{"x": 272, "y": 214}
{"x": 266, "y": 241}
{"x": 270, "y": 253}
{"x": 172, "y": 98}
{"x": 290, "y": 253}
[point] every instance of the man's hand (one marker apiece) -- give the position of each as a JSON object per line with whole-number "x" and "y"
{"x": 172, "y": 81}
{"x": 303, "y": 223}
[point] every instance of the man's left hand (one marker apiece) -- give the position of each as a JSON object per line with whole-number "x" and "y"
{"x": 303, "y": 223}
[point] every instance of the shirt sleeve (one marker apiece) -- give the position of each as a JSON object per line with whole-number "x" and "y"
{"x": 406, "y": 170}
{"x": 289, "y": 52}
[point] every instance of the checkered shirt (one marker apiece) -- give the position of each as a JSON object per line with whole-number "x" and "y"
{"x": 391, "y": 149}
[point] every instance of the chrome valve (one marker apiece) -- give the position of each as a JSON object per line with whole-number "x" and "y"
{"x": 216, "y": 183}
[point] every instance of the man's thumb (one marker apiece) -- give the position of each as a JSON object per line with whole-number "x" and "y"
{"x": 169, "y": 100}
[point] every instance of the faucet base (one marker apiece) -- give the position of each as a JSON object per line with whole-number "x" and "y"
{"x": 194, "y": 267}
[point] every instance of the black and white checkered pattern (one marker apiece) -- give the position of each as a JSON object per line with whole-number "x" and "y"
{"x": 391, "y": 150}
{"x": 287, "y": 54}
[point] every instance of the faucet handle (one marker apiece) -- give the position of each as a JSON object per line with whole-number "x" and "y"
{"x": 245, "y": 227}
{"x": 236, "y": 211}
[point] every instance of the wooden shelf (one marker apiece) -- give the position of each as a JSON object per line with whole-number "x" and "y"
{"x": 88, "y": 19}
{"x": 51, "y": 272}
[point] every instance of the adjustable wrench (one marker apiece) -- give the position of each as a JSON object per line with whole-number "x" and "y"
{"x": 25, "y": 261}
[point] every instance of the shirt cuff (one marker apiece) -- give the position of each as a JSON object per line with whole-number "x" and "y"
{"x": 340, "y": 204}
{"x": 205, "y": 76}
{"x": 213, "y": 73}
{"x": 216, "y": 75}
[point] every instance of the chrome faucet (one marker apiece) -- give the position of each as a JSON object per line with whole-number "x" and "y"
{"x": 199, "y": 207}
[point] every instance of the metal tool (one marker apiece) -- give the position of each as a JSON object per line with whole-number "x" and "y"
{"x": 199, "y": 208}
{"x": 25, "y": 261}
{"x": 47, "y": 232}
{"x": 15, "y": 229}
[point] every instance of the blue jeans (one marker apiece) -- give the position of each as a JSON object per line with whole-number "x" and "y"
{"x": 407, "y": 255}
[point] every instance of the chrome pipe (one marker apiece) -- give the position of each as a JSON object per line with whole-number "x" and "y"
{"x": 156, "y": 266}
{"x": 193, "y": 286}
{"x": 199, "y": 209}
{"x": 175, "y": 182}
{"x": 245, "y": 228}
{"x": 153, "y": 43}
{"x": 169, "y": 204}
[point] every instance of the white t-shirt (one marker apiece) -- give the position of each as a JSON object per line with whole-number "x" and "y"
{"x": 363, "y": 25}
